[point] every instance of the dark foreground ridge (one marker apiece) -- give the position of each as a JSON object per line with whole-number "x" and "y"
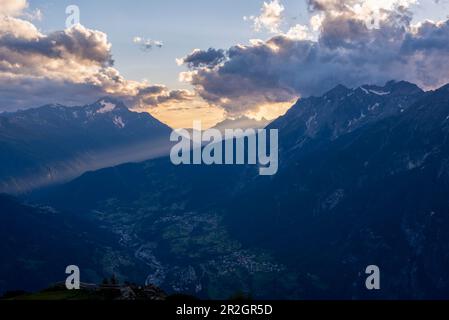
{"x": 103, "y": 292}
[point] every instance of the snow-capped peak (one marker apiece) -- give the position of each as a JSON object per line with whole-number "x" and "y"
{"x": 106, "y": 107}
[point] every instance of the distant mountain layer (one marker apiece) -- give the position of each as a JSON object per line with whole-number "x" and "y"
{"x": 363, "y": 179}
{"x": 242, "y": 122}
{"x": 50, "y": 144}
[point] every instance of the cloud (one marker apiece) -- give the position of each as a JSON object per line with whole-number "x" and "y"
{"x": 200, "y": 58}
{"x": 72, "y": 66}
{"x": 357, "y": 42}
{"x": 299, "y": 32}
{"x": 270, "y": 17}
{"x": 158, "y": 94}
{"x": 12, "y": 7}
{"x": 147, "y": 44}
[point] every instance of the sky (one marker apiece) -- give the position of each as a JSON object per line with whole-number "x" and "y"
{"x": 210, "y": 60}
{"x": 181, "y": 25}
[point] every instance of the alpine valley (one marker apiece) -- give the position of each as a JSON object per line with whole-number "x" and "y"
{"x": 363, "y": 180}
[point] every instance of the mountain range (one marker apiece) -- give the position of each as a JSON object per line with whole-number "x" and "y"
{"x": 363, "y": 180}
{"x": 55, "y": 143}
{"x": 242, "y": 122}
